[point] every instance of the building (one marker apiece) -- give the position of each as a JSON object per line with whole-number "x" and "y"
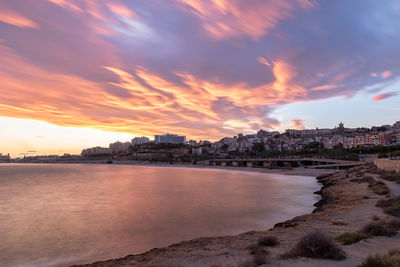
{"x": 140, "y": 140}
{"x": 170, "y": 139}
{"x": 4, "y": 157}
{"x": 192, "y": 143}
{"x": 96, "y": 151}
{"x": 119, "y": 146}
{"x": 197, "y": 151}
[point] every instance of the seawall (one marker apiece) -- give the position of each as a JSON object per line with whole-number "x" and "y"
{"x": 388, "y": 164}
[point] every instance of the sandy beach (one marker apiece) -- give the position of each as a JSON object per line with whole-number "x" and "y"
{"x": 346, "y": 206}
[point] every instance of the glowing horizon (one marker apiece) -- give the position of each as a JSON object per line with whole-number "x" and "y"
{"x": 201, "y": 68}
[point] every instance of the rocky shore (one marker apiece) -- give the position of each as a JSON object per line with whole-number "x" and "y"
{"x": 348, "y": 203}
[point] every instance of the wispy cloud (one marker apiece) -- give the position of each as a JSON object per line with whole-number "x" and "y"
{"x": 384, "y": 96}
{"x": 13, "y": 18}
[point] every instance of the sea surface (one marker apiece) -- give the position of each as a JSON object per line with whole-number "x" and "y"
{"x": 57, "y": 215}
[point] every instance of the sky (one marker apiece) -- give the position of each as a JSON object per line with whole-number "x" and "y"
{"x": 81, "y": 73}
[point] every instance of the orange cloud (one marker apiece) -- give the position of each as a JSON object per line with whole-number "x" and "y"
{"x": 233, "y": 18}
{"x": 121, "y": 10}
{"x": 298, "y": 124}
{"x": 15, "y": 19}
{"x": 384, "y": 96}
{"x": 141, "y": 102}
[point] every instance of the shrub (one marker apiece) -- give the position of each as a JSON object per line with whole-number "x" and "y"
{"x": 316, "y": 245}
{"x": 391, "y": 259}
{"x": 382, "y": 228}
{"x": 390, "y": 176}
{"x": 379, "y": 188}
{"x": 376, "y": 229}
{"x": 268, "y": 241}
{"x": 259, "y": 256}
{"x": 390, "y": 206}
{"x": 351, "y": 238}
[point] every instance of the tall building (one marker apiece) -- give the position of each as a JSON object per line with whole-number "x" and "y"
{"x": 170, "y": 139}
{"x": 140, "y": 140}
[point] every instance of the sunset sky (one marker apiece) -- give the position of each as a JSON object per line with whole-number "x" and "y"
{"x": 80, "y": 73}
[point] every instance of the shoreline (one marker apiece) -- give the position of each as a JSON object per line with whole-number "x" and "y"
{"x": 343, "y": 200}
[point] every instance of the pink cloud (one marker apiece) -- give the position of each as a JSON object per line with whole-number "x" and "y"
{"x": 15, "y": 19}
{"x": 386, "y": 74}
{"x": 384, "y": 96}
{"x": 224, "y": 19}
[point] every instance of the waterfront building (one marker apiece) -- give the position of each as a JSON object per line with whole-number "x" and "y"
{"x": 170, "y": 139}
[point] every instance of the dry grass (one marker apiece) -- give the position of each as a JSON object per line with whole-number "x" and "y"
{"x": 375, "y": 228}
{"x": 259, "y": 256}
{"x": 390, "y": 206}
{"x": 316, "y": 245}
{"x": 391, "y": 259}
{"x": 379, "y": 188}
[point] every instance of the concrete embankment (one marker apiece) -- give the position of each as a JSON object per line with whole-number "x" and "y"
{"x": 388, "y": 164}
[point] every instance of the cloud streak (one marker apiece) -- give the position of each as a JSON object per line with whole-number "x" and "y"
{"x": 384, "y": 96}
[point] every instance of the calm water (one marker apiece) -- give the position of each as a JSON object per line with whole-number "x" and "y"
{"x": 55, "y": 215}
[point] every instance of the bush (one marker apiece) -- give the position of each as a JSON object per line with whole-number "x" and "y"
{"x": 382, "y": 155}
{"x": 391, "y": 259}
{"x": 382, "y": 228}
{"x": 316, "y": 245}
{"x": 391, "y": 176}
{"x": 390, "y": 206}
{"x": 268, "y": 241}
{"x": 351, "y": 238}
{"x": 259, "y": 256}
{"x": 379, "y": 188}
{"x": 377, "y": 229}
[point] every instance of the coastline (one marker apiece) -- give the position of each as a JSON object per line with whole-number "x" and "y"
{"x": 343, "y": 200}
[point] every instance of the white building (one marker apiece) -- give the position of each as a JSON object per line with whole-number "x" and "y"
{"x": 140, "y": 140}
{"x": 170, "y": 139}
{"x": 94, "y": 151}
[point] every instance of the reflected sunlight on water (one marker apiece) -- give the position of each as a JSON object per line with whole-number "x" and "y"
{"x": 55, "y": 215}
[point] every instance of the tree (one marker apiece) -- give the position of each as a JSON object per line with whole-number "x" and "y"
{"x": 258, "y": 147}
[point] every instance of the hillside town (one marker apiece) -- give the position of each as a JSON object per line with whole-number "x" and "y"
{"x": 171, "y": 147}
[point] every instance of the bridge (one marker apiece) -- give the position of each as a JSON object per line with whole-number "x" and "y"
{"x": 285, "y": 163}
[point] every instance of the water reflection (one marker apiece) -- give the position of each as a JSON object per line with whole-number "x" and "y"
{"x": 63, "y": 214}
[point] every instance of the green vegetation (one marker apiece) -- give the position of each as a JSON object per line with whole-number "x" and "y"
{"x": 351, "y": 238}
{"x": 376, "y": 228}
{"x": 316, "y": 245}
{"x": 391, "y": 259}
